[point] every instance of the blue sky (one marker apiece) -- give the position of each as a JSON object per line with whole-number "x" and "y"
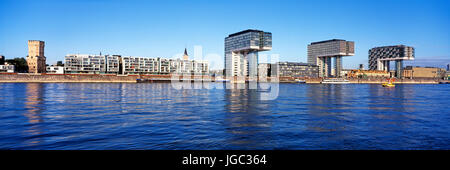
{"x": 164, "y": 28}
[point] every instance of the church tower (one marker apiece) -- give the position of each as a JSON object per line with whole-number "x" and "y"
{"x": 185, "y": 56}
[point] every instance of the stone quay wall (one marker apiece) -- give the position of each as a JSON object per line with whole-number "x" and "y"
{"x": 396, "y": 81}
{"x": 112, "y": 78}
{"x": 66, "y": 78}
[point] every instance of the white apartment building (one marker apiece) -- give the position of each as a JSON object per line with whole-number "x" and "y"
{"x": 7, "y": 68}
{"x": 91, "y": 64}
{"x": 131, "y": 65}
{"x": 55, "y": 70}
{"x": 144, "y": 65}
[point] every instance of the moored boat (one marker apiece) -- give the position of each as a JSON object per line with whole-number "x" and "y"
{"x": 390, "y": 83}
{"x": 221, "y": 80}
{"x": 335, "y": 81}
{"x": 300, "y": 81}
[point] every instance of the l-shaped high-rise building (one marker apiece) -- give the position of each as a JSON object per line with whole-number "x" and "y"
{"x": 320, "y": 53}
{"x": 241, "y": 52}
{"x": 380, "y": 57}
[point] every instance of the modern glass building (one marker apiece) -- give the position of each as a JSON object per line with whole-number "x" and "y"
{"x": 321, "y": 53}
{"x": 241, "y": 52}
{"x": 380, "y": 57}
{"x": 297, "y": 70}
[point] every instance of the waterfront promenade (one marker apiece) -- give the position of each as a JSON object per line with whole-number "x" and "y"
{"x": 111, "y": 78}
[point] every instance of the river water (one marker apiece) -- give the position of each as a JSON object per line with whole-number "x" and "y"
{"x": 158, "y": 116}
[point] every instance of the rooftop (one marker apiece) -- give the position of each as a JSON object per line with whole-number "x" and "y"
{"x": 422, "y": 67}
{"x": 318, "y": 42}
{"x": 296, "y": 63}
{"x": 243, "y": 32}
{"x": 390, "y": 46}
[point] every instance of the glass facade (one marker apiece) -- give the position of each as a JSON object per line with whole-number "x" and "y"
{"x": 321, "y": 53}
{"x": 388, "y": 53}
{"x": 329, "y": 48}
{"x": 239, "y": 45}
{"x": 293, "y": 69}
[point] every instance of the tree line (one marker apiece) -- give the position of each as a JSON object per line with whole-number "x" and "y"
{"x": 20, "y": 64}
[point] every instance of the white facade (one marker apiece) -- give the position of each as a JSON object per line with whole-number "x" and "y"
{"x": 55, "y": 69}
{"x": 192, "y": 66}
{"x": 7, "y": 68}
{"x": 91, "y": 64}
{"x": 139, "y": 65}
{"x": 145, "y": 65}
{"x": 130, "y": 65}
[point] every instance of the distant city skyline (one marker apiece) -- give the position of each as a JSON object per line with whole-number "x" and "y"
{"x": 166, "y": 28}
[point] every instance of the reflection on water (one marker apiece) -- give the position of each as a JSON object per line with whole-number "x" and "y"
{"x": 330, "y": 116}
{"x": 246, "y": 121}
{"x": 34, "y": 105}
{"x": 33, "y": 102}
{"x": 157, "y": 116}
{"x": 326, "y": 101}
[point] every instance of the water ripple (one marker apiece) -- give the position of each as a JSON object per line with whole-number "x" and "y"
{"x": 156, "y": 116}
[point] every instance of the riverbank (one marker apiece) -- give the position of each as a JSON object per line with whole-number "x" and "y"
{"x": 37, "y": 78}
{"x": 370, "y": 81}
{"x": 111, "y": 78}
{"x": 86, "y": 78}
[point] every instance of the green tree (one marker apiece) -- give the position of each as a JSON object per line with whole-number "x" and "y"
{"x": 20, "y": 64}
